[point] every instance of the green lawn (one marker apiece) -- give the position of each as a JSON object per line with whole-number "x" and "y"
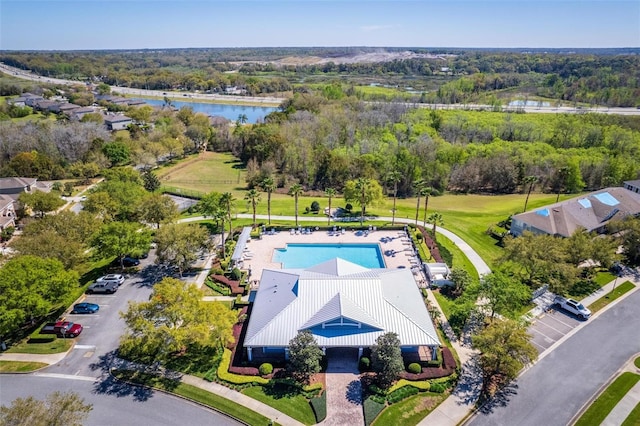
{"x": 295, "y": 406}
{"x": 611, "y": 296}
{"x": 603, "y": 405}
{"x": 636, "y": 362}
{"x": 209, "y": 399}
{"x": 41, "y": 344}
{"x": 467, "y": 215}
{"x": 20, "y": 366}
{"x": 409, "y": 411}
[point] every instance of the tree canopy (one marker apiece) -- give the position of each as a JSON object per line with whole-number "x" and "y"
{"x": 30, "y": 287}
{"x": 386, "y": 359}
{"x": 58, "y": 409}
{"x": 304, "y": 356}
{"x": 180, "y": 245}
{"x": 121, "y": 239}
{"x": 173, "y": 321}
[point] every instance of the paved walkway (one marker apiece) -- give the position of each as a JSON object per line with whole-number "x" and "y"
{"x": 624, "y": 407}
{"x": 241, "y": 399}
{"x": 344, "y": 390}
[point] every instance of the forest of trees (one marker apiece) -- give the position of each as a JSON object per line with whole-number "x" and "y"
{"x": 610, "y": 78}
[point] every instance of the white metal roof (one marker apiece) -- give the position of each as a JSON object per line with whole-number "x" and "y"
{"x": 342, "y": 304}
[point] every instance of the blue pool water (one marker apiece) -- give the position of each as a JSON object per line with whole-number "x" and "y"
{"x": 301, "y": 256}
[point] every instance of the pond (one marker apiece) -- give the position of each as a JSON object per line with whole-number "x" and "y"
{"x": 231, "y": 112}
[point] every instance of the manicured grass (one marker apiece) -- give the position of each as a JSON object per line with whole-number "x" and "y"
{"x": 604, "y": 277}
{"x": 295, "y": 406}
{"x": 209, "y": 399}
{"x": 634, "y": 417}
{"x": 611, "y": 296}
{"x": 206, "y": 172}
{"x": 444, "y": 302}
{"x": 603, "y": 405}
{"x": 636, "y": 362}
{"x": 20, "y": 366}
{"x": 410, "y": 411}
{"x": 460, "y": 260}
{"x": 41, "y": 344}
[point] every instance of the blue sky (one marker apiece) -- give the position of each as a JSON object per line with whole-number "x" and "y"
{"x": 132, "y": 24}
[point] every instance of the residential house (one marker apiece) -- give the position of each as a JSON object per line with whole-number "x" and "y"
{"x": 343, "y": 305}
{"x": 78, "y": 113}
{"x": 7, "y": 212}
{"x": 14, "y": 186}
{"x": 67, "y": 108}
{"x": 591, "y": 212}
{"x": 117, "y": 121}
{"x": 632, "y": 185}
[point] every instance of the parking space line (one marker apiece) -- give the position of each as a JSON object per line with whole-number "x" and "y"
{"x": 542, "y": 334}
{"x": 561, "y": 322}
{"x": 552, "y": 328}
{"x": 539, "y": 345}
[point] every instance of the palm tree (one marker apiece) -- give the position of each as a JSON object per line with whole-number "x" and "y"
{"x": 295, "y": 191}
{"x": 418, "y": 185}
{"x": 361, "y": 187}
{"x": 436, "y": 219}
{"x": 531, "y": 181}
{"x": 330, "y": 192}
{"x": 427, "y": 191}
{"x": 253, "y": 197}
{"x": 226, "y": 203}
{"x": 394, "y": 178}
{"x": 242, "y": 118}
{"x": 268, "y": 185}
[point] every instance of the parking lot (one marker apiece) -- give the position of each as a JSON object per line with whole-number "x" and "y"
{"x": 551, "y": 327}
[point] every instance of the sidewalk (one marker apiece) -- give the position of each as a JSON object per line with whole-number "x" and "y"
{"x": 46, "y": 358}
{"x": 628, "y": 402}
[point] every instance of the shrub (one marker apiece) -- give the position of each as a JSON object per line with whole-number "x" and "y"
{"x": 315, "y": 207}
{"x": 236, "y": 379}
{"x": 414, "y": 368}
{"x": 348, "y": 207}
{"x": 402, "y": 393}
{"x": 422, "y": 385}
{"x": 319, "y": 406}
{"x": 371, "y": 410}
{"x": 236, "y": 274}
{"x": 364, "y": 364}
{"x": 419, "y": 237}
{"x": 437, "y": 388}
{"x": 216, "y": 270}
{"x": 265, "y": 369}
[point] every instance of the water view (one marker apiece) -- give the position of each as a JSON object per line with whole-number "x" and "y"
{"x": 231, "y": 112}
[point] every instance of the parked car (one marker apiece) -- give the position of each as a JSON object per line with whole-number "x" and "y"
{"x": 85, "y": 308}
{"x": 116, "y": 278}
{"x": 573, "y": 306}
{"x": 62, "y": 329}
{"x": 108, "y": 287}
{"x": 129, "y": 261}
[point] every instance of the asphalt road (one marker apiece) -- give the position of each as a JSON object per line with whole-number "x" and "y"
{"x": 556, "y": 387}
{"x": 101, "y": 335}
{"x": 114, "y": 403}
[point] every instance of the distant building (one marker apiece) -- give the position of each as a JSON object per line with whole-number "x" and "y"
{"x": 343, "y": 305}
{"x": 591, "y": 212}
{"x": 117, "y": 122}
{"x": 632, "y": 185}
{"x": 17, "y": 185}
{"x": 7, "y": 212}
{"x": 77, "y": 114}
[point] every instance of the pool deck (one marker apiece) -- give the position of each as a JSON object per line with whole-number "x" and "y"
{"x": 259, "y": 253}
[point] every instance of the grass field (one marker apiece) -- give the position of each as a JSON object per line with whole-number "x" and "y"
{"x": 409, "y": 411}
{"x": 468, "y": 216}
{"x": 611, "y": 296}
{"x": 603, "y": 405}
{"x": 41, "y": 344}
{"x": 296, "y": 406}
{"x": 20, "y": 366}
{"x": 209, "y": 399}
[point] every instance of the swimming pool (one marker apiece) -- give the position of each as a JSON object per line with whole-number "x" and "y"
{"x": 300, "y": 256}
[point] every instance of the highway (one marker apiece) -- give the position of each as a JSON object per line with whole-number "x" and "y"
{"x": 213, "y": 98}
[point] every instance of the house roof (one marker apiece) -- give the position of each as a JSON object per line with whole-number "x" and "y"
{"x": 116, "y": 118}
{"x": 342, "y": 304}
{"x": 16, "y": 182}
{"x": 590, "y": 212}
{"x": 634, "y": 183}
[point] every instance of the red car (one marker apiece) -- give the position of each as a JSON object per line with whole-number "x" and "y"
{"x": 62, "y": 329}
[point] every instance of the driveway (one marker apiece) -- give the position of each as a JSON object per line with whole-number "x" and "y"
{"x": 553, "y": 390}
{"x": 344, "y": 390}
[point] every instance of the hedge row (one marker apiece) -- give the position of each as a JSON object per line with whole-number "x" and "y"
{"x": 371, "y": 410}
{"x": 319, "y": 406}
{"x": 423, "y": 385}
{"x": 402, "y": 393}
{"x": 236, "y": 379}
